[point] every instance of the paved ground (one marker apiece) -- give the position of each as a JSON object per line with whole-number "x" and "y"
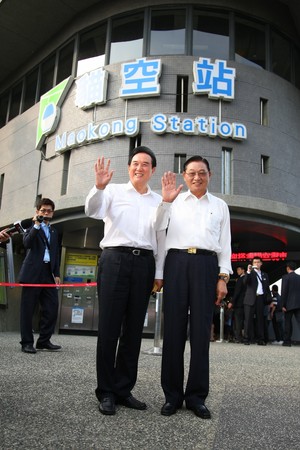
{"x": 47, "y": 401}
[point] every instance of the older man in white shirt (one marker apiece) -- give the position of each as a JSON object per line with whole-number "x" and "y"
{"x": 197, "y": 268}
{"x": 131, "y": 263}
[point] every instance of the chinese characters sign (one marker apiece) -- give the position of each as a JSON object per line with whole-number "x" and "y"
{"x": 141, "y": 78}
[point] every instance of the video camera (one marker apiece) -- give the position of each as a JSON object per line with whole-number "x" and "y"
{"x": 16, "y": 228}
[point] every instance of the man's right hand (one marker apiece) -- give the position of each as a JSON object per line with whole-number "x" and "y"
{"x": 102, "y": 173}
{"x": 168, "y": 187}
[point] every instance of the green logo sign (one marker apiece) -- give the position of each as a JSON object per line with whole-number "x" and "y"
{"x": 49, "y": 113}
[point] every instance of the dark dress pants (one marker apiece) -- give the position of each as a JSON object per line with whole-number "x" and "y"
{"x": 258, "y": 310}
{"x": 125, "y": 282}
{"x": 288, "y": 323}
{"x": 189, "y": 285}
{"x": 238, "y": 323}
{"x": 48, "y": 300}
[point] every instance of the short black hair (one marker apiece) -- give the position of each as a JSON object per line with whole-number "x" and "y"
{"x": 142, "y": 149}
{"x": 292, "y": 265}
{"x": 45, "y": 201}
{"x": 275, "y": 288}
{"x": 196, "y": 158}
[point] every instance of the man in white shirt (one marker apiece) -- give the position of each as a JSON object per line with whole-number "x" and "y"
{"x": 130, "y": 264}
{"x": 197, "y": 268}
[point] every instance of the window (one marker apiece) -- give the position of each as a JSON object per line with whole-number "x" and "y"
{"x": 65, "y": 172}
{"x": 1, "y": 188}
{"x": 210, "y": 36}
{"x": 264, "y": 112}
{"x": 134, "y": 142}
{"x": 65, "y": 62}
{"x": 30, "y": 89}
{"x": 264, "y": 164}
{"x": 127, "y": 38}
{"x": 167, "y": 32}
{"x": 226, "y": 171}
{"x": 47, "y": 75}
{"x": 14, "y": 107}
{"x": 179, "y": 160}
{"x": 250, "y": 43}
{"x": 281, "y": 56}
{"x": 3, "y": 109}
{"x": 297, "y": 67}
{"x": 91, "y": 53}
{"x": 182, "y": 93}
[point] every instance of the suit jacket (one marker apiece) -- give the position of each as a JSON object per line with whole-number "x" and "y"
{"x": 35, "y": 242}
{"x": 290, "y": 291}
{"x": 239, "y": 292}
{"x": 251, "y": 282}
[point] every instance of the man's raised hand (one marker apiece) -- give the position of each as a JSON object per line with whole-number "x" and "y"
{"x": 102, "y": 173}
{"x": 168, "y": 184}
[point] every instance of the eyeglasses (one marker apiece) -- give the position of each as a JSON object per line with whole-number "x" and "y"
{"x": 201, "y": 174}
{"x": 44, "y": 211}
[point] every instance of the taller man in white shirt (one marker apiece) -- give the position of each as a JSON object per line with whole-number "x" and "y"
{"x": 130, "y": 264}
{"x": 197, "y": 268}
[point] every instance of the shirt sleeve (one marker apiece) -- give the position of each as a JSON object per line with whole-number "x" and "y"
{"x": 224, "y": 257}
{"x": 162, "y": 217}
{"x": 161, "y": 254}
{"x": 96, "y": 203}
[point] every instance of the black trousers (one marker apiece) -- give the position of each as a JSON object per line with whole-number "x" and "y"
{"x": 258, "y": 310}
{"x": 48, "y": 300}
{"x": 189, "y": 285}
{"x": 288, "y": 323}
{"x": 238, "y": 323}
{"x": 125, "y": 282}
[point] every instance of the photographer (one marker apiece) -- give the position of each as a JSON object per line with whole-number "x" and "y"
{"x": 40, "y": 266}
{"x": 4, "y": 237}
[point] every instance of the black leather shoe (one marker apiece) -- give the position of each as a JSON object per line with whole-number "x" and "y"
{"x": 200, "y": 411}
{"x": 132, "y": 402}
{"x": 168, "y": 409}
{"x": 286, "y": 344}
{"x": 107, "y": 406}
{"x": 246, "y": 343}
{"x": 28, "y": 348}
{"x": 261, "y": 343}
{"x": 47, "y": 346}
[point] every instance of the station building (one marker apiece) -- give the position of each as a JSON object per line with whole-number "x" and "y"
{"x": 78, "y": 80}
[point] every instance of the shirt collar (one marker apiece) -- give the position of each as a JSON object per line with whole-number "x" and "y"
{"x": 188, "y": 194}
{"x": 130, "y": 187}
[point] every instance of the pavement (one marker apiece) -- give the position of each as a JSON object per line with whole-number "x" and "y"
{"x": 47, "y": 400}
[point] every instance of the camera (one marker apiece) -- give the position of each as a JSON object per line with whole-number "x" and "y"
{"x": 40, "y": 218}
{"x": 16, "y": 228}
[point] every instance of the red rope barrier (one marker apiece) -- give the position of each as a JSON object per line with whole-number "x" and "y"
{"x": 49, "y": 285}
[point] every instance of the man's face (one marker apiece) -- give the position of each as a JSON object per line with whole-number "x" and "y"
{"x": 257, "y": 263}
{"x": 140, "y": 170}
{"x": 196, "y": 177}
{"x": 239, "y": 271}
{"x": 46, "y": 211}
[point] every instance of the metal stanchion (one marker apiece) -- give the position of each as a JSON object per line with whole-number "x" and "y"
{"x": 221, "y": 323}
{"x": 157, "y": 350}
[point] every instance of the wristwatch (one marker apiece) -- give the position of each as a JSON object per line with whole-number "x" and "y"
{"x": 224, "y": 277}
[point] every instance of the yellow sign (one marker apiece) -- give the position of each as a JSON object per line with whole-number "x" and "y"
{"x": 81, "y": 259}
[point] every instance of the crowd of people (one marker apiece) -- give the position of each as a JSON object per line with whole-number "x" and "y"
{"x": 180, "y": 241}
{"x": 254, "y": 313}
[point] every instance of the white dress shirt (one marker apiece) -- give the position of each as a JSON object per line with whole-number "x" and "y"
{"x": 128, "y": 219}
{"x": 203, "y": 223}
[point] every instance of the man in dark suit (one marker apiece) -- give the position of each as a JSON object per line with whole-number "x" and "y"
{"x": 237, "y": 303}
{"x": 40, "y": 266}
{"x": 290, "y": 297}
{"x": 256, "y": 297}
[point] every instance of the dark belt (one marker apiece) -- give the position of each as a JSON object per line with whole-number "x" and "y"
{"x": 133, "y": 250}
{"x": 193, "y": 251}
